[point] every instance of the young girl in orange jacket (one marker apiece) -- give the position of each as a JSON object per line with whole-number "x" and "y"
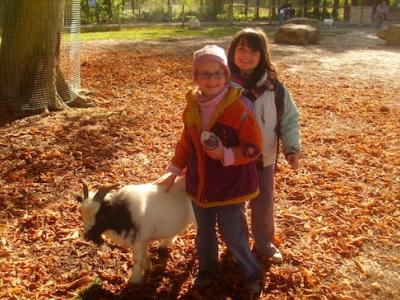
{"x": 218, "y": 180}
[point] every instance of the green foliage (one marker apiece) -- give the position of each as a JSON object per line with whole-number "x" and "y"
{"x": 212, "y": 9}
{"x": 128, "y": 11}
{"x": 159, "y": 33}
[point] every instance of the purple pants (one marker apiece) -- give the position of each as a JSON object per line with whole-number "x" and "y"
{"x": 262, "y": 212}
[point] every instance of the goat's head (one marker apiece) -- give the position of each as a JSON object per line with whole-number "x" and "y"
{"x": 93, "y": 219}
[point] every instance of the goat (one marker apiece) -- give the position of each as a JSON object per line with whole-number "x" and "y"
{"x": 134, "y": 216}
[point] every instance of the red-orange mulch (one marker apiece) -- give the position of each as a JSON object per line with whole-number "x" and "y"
{"x": 338, "y": 220}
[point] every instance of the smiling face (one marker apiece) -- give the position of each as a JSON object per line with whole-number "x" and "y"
{"x": 210, "y": 78}
{"x": 246, "y": 58}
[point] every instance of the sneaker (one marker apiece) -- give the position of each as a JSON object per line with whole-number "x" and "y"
{"x": 274, "y": 255}
{"x": 254, "y": 286}
{"x": 204, "y": 279}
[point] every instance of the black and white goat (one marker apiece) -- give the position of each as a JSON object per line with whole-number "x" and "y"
{"x": 134, "y": 216}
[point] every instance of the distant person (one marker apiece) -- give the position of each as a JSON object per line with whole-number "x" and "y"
{"x": 285, "y": 12}
{"x": 219, "y": 179}
{"x": 282, "y": 12}
{"x": 277, "y": 115}
{"x": 381, "y": 14}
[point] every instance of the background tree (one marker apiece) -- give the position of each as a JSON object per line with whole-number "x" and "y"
{"x": 214, "y": 8}
{"x": 257, "y": 13}
{"x": 315, "y": 12}
{"x": 324, "y": 9}
{"x": 246, "y": 7}
{"x": 335, "y": 9}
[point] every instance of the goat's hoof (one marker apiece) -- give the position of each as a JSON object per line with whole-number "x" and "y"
{"x": 134, "y": 280}
{"x": 163, "y": 252}
{"x": 149, "y": 267}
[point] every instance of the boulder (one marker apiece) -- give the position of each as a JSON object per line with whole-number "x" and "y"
{"x": 303, "y": 21}
{"x": 296, "y": 34}
{"x": 194, "y": 23}
{"x": 390, "y": 34}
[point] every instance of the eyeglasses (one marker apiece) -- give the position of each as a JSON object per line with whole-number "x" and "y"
{"x": 208, "y": 75}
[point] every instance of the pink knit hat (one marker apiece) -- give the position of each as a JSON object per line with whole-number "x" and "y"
{"x": 210, "y": 53}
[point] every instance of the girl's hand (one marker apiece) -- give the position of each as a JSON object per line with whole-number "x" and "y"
{"x": 217, "y": 153}
{"x": 293, "y": 160}
{"x": 168, "y": 180}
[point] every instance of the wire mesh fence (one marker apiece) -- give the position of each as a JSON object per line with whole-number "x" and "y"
{"x": 35, "y": 63}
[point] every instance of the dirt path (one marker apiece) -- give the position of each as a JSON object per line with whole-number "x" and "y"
{"x": 351, "y": 51}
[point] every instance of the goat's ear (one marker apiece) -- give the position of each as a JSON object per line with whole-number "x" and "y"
{"x": 79, "y": 198}
{"x": 103, "y": 192}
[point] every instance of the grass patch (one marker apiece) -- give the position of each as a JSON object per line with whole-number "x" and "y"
{"x": 160, "y": 33}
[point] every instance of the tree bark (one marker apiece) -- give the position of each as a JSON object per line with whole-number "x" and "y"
{"x": 305, "y": 8}
{"x": 30, "y": 75}
{"x": 346, "y": 14}
{"x": 169, "y": 4}
{"x": 109, "y": 9}
{"x": 28, "y": 54}
{"x": 257, "y": 14}
{"x": 316, "y": 13}
{"x": 324, "y": 10}
{"x": 335, "y": 9}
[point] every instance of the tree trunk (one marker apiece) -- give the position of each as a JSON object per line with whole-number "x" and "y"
{"x": 183, "y": 14}
{"x": 28, "y": 55}
{"x": 273, "y": 5}
{"x": 109, "y": 9}
{"x": 230, "y": 12}
{"x": 346, "y": 14}
{"x": 324, "y": 10}
{"x": 246, "y": 7}
{"x": 30, "y": 74}
{"x": 316, "y": 9}
{"x": 169, "y": 10}
{"x": 305, "y": 8}
{"x": 257, "y": 15}
{"x": 133, "y": 7}
{"x": 97, "y": 13}
{"x": 335, "y": 12}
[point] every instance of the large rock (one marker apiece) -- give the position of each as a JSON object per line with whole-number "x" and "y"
{"x": 296, "y": 34}
{"x": 303, "y": 21}
{"x": 391, "y": 34}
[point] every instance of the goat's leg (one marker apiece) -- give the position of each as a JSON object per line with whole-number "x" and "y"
{"x": 165, "y": 243}
{"x": 163, "y": 246}
{"x": 139, "y": 258}
{"x": 147, "y": 266}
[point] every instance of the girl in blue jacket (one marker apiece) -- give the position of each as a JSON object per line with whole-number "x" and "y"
{"x": 277, "y": 115}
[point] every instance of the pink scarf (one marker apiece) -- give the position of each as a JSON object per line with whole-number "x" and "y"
{"x": 208, "y": 105}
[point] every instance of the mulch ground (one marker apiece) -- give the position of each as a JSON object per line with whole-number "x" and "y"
{"x": 338, "y": 219}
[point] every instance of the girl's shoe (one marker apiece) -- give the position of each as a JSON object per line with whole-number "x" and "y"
{"x": 273, "y": 254}
{"x": 204, "y": 279}
{"x": 254, "y": 287}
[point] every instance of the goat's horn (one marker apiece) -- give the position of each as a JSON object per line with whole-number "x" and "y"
{"x": 102, "y": 192}
{"x": 85, "y": 189}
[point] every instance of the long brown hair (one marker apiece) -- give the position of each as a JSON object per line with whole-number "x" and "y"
{"x": 257, "y": 40}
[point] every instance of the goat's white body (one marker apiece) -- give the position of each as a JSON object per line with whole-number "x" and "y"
{"x": 158, "y": 215}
